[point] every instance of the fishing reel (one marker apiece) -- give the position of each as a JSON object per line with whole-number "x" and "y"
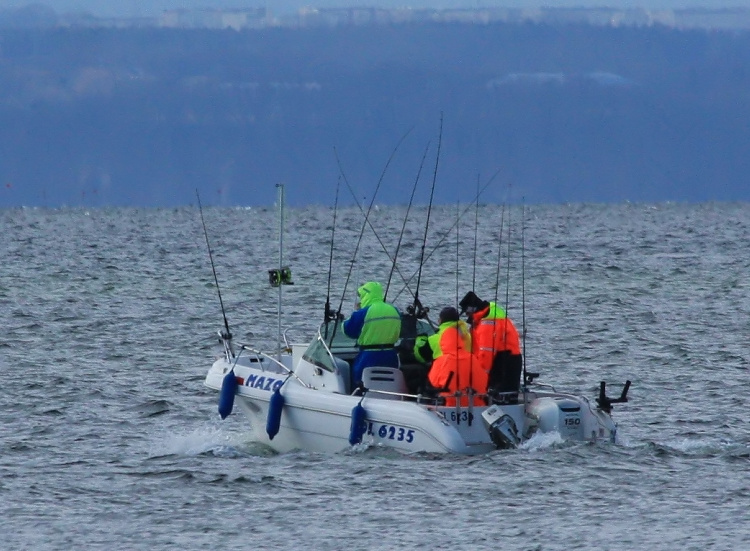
{"x": 280, "y": 276}
{"x": 417, "y": 310}
{"x": 333, "y": 315}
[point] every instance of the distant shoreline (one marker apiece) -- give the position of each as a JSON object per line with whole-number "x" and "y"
{"x": 42, "y": 16}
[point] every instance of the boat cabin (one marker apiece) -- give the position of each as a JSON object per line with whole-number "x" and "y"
{"x": 333, "y": 353}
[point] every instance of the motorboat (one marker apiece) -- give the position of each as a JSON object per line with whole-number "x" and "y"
{"x": 302, "y": 399}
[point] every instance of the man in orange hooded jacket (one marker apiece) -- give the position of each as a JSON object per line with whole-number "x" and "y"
{"x": 492, "y": 332}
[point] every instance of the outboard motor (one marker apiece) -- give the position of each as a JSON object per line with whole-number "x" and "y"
{"x": 501, "y": 427}
{"x": 559, "y": 414}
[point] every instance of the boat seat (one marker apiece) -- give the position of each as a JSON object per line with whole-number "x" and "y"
{"x": 389, "y": 379}
{"x": 345, "y": 370}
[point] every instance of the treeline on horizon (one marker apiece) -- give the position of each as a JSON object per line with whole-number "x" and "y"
{"x": 568, "y": 113}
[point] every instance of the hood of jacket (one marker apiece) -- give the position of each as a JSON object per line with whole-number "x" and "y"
{"x": 370, "y": 293}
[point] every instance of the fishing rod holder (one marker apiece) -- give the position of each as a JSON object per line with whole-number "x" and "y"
{"x": 225, "y": 338}
{"x": 605, "y": 402}
{"x": 280, "y": 276}
{"x": 529, "y": 377}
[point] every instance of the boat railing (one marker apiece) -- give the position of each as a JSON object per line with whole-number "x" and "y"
{"x": 425, "y": 399}
{"x": 433, "y": 400}
{"x": 327, "y": 348}
{"x": 285, "y": 336}
{"x": 539, "y": 385}
{"x": 367, "y": 391}
{"x": 262, "y": 355}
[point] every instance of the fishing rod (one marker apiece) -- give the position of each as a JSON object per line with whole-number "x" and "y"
{"x": 459, "y": 339}
{"x": 369, "y": 223}
{"x": 280, "y": 188}
{"x": 403, "y": 226}
{"x": 470, "y": 390}
{"x": 367, "y": 215}
{"x": 445, "y": 236}
{"x": 458, "y": 226}
{"x": 499, "y": 250}
{"x": 497, "y": 274}
{"x": 497, "y": 277}
{"x": 329, "y": 315}
{"x": 417, "y": 308}
{"x": 523, "y": 283}
{"x": 507, "y": 269}
{"x": 226, "y": 335}
{"x": 476, "y": 225}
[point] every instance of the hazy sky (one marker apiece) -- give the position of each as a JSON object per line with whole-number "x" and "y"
{"x": 155, "y": 7}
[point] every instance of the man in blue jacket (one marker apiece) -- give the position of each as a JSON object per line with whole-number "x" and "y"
{"x": 377, "y": 326}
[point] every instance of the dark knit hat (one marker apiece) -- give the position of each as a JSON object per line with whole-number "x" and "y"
{"x": 472, "y": 302}
{"x": 449, "y": 313}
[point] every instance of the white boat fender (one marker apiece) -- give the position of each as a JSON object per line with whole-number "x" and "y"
{"x": 275, "y": 405}
{"x": 226, "y": 395}
{"x": 358, "y": 426}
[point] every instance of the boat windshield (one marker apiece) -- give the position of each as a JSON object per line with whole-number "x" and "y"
{"x": 332, "y": 340}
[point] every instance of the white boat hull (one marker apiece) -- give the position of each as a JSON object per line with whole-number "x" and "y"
{"x": 319, "y": 419}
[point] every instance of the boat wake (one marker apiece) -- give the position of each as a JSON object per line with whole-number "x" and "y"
{"x": 542, "y": 440}
{"x": 700, "y": 449}
{"x": 209, "y": 441}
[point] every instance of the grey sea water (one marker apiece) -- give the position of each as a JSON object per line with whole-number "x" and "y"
{"x": 109, "y": 439}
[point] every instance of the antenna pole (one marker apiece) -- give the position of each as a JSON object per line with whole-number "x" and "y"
{"x": 280, "y": 188}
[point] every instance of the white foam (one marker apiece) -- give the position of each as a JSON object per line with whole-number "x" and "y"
{"x": 199, "y": 441}
{"x": 541, "y": 440}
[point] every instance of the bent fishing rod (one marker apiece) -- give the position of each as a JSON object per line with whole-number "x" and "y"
{"x": 227, "y": 335}
{"x": 442, "y": 239}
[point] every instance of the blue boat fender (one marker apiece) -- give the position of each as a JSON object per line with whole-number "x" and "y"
{"x": 226, "y": 395}
{"x": 359, "y": 425}
{"x": 273, "y": 421}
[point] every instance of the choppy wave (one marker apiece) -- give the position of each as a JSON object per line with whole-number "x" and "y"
{"x": 110, "y": 440}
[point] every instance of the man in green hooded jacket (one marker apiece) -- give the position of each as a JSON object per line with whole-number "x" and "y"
{"x": 377, "y": 326}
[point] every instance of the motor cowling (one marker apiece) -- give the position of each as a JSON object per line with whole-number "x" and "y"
{"x": 559, "y": 414}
